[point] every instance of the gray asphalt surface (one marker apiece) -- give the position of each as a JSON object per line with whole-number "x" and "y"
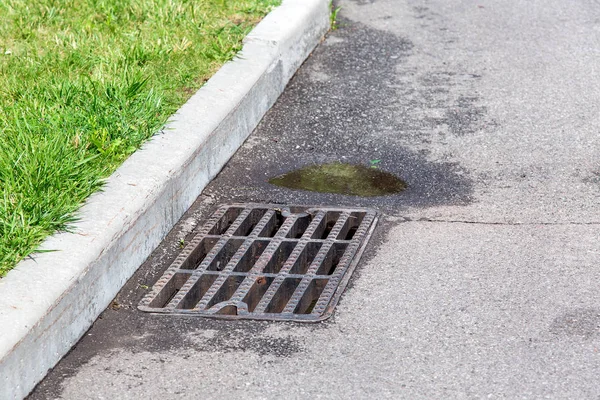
{"x": 481, "y": 280}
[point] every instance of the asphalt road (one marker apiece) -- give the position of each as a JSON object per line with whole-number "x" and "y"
{"x": 481, "y": 280}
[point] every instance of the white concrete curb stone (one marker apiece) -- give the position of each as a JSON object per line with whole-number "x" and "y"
{"x": 47, "y": 304}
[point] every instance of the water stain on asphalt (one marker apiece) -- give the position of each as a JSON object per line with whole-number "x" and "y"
{"x": 332, "y": 112}
{"x": 342, "y": 178}
{"x": 582, "y": 322}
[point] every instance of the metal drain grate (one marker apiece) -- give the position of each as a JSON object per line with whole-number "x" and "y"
{"x": 265, "y": 262}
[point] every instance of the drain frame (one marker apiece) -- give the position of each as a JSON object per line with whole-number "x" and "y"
{"x": 239, "y": 265}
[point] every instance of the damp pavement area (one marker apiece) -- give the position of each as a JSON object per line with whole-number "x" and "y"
{"x": 481, "y": 278}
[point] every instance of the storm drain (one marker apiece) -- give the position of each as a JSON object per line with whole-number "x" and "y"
{"x": 265, "y": 262}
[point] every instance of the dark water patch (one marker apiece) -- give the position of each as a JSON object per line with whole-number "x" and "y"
{"x": 350, "y": 103}
{"x": 340, "y": 178}
{"x": 581, "y": 322}
{"x": 465, "y": 117}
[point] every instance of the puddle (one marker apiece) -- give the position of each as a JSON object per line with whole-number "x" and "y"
{"x": 348, "y": 179}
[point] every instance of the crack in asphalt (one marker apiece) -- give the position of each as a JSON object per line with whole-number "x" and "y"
{"x": 458, "y": 221}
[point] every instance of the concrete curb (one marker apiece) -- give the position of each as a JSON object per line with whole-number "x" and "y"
{"x": 48, "y": 303}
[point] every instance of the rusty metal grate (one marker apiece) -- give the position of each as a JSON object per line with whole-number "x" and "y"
{"x": 270, "y": 262}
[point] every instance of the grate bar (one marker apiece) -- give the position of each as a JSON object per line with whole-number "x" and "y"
{"x": 212, "y": 222}
{"x": 238, "y": 221}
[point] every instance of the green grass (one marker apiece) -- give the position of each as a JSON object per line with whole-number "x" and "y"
{"x": 333, "y": 15}
{"x": 83, "y": 83}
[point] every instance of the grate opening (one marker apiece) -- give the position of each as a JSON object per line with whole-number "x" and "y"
{"x": 169, "y": 291}
{"x": 283, "y": 295}
{"x": 351, "y": 226}
{"x": 299, "y": 227}
{"x": 226, "y": 221}
{"x": 250, "y": 222}
{"x": 198, "y": 290}
{"x": 228, "y": 310}
{"x": 225, "y": 255}
{"x": 279, "y": 257}
{"x": 257, "y": 291}
{"x": 306, "y": 258}
{"x": 199, "y": 253}
{"x": 326, "y": 225}
{"x": 273, "y": 225}
{"x": 251, "y": 256}
{"x": 311, "y": 296}
{"x": 332, "y": 259}
{"x": 226, "y": 291}
{"x": 262, "y": 261}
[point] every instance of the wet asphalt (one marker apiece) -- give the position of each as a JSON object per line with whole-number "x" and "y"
{"x": 481, "y": 279}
